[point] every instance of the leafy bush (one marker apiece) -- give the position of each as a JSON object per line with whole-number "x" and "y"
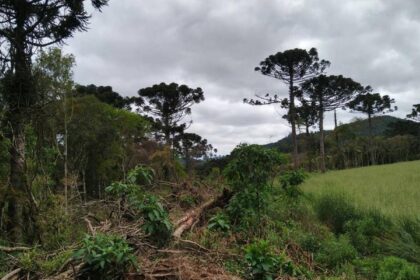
{"x": 335, "y": 211}
{"x": 248, "y": 173}
{"x": 393, "y": 268}
{"x": 335, "y": 251}
{"x": 141, "y": 175}
{"x": 387, "y": 268}
{"x": 263, "y": 264}
{"x": 219, "y": 222}
{"x": 290, "y": 182}
{"x": 156, "y": 220}
{"x": 122, "y": 190}
{"x": 105, "y": 256}
{"x": 365, "y": 231}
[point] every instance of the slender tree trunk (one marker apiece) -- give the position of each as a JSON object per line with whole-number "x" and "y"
{"x": 322, "y": 139}
{"x": 65, "y": 155}
{"x": 371, "y": 154}
{"x": 293, "y": 123}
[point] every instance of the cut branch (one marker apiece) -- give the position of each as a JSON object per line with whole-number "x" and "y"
{"x": 196, "y": 214}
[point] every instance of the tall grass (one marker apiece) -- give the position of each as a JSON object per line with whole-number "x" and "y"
{"x": 392, "y": 189}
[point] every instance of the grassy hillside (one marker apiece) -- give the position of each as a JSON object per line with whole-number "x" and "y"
{"x": 394, "y": 189}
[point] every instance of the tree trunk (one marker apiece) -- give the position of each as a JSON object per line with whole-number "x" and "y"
{"x": 17, "y": 180}
{"x": 322, "y": 139}
{"x": 20, "y": 96}
{"x": 372, "y": 156}
{"x": 293, "y": 123}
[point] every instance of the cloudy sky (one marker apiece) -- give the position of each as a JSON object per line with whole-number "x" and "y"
{"x": 215, "y": 45}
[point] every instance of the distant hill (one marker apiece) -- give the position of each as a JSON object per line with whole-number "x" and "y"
{"x": 380, "y": 125}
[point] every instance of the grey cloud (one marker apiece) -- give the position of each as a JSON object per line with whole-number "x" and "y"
{"x": 216, "y": 44}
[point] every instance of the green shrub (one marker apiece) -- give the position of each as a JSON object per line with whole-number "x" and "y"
{"x": 219, "y": 222}
{"x": 249, "y": 174}
{"x": 263, "y": 264}
{"x": 335, "y": 211}
{"x": 141, "y": 175}
{"x": 310, "y": 242}
{"x": 105, "y": 256}
{"x": 335, "y": 251}
{"x": 365, "y": 231}
{"x": 393, "y": 268}
{"x": 290, "y": 182}
{"x": 386, "y": 268}
{"x": 57, "y": 228}
{"x": 122, "y": 190}
{"x": 156, "y": 220}
{"x": 42, "y": 263}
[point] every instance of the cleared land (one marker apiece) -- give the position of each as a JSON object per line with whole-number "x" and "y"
{"x": 394, "y": 189}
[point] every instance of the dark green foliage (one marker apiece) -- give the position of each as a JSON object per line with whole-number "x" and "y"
{"x": 192, "y": 146}
{"x": 371, "y": 103}
{"x": 249, "y": 173}
{"x": 104, "y": 94}
{"x": 387, "y": 268}
{"x": 156, "y": 220}
{"x": 403, "y": 127}
{"x": 335, "y": 211}
{"x": 168, "y": 104}
{"x": 252, "y": 166}
{"x": 105, "y": 257}
{"x": 415, "y": 113}
{"x": 290, "y": 182}
{"x": 263, "y": 264}
{"x": 335, "y": 251}
{"x": 392, "y": 268}
{"x": 219, "y": 222}
{"x": 365, "y": 231}
{"x": 141, "y": 175}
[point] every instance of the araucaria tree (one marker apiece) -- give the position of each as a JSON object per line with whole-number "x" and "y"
{"x": 415, "y": 113}
{"x": 190, "y": 146}
{"x": 24, "y": 26}
{"x": 292, "y": 67}
{"x": 328, "y": 93}
{"x": 169, "y": 104}
{"x": 371, "y": 104}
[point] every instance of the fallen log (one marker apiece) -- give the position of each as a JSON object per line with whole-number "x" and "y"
{"x": 12, "y": 275}
{"x": 13, "y": 249}
{"x": 193, "y": 216}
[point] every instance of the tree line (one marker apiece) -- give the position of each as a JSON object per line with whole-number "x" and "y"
{"x": 312, "y": 93}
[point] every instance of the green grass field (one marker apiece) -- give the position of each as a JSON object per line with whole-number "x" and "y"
{"x": 394, "y": 189}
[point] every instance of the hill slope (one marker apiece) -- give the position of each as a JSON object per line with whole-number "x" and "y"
{"x": 394, "y": 189}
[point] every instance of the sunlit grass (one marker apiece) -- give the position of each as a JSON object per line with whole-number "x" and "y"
{"x": 394, "y": 189}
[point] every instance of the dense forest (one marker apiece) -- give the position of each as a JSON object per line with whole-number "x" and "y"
{"x": 97, "y": 185}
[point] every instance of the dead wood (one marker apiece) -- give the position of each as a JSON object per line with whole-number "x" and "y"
{"x": 12, "y": 275}
{"x": 193, "y": 216}
{"x": 14, "y": 249}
